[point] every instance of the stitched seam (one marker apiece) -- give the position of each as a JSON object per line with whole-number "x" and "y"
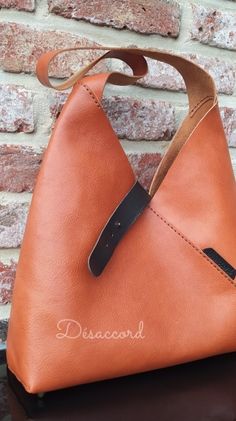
{"x": 203, "y": 100}
{"x": 92, "y": 95}
{"x": 193, "y": 246}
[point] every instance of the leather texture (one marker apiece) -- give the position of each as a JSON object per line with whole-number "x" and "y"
{"x": 159, "y": 280}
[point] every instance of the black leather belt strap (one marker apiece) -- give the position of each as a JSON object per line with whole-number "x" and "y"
{"x": 122, "y": 218}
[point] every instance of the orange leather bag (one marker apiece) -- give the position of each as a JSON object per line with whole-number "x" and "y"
{"x": 112, "y": 279}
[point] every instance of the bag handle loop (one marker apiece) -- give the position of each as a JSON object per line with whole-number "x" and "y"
{"x": 136, "y": 62}
{"x": 199, "y": 84}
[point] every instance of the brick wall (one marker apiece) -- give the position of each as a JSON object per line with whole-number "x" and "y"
{"x": 204, "y": 30}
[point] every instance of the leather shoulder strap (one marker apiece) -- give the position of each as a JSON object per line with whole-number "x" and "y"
{"x": 198, "y": 82}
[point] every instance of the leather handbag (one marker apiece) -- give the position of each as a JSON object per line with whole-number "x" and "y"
{"x": 113, "y": 279}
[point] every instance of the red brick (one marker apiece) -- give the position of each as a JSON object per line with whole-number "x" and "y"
{"x": 16, "y": 109}
{"x": 144, "y": 165}
{"x": 12, "y": 224}
{"x": 57, "y": 100}
{"x": 19, "y": 167}
{"x": 143, "y": 119}
{"x": 7, "y": 276}
{"x": 21, "y": 45}
{"x": 133, "y": 119}
{"x": 229, "y": 120}
{"x": 163, "y": 76}
{"x": 28, "y": 5}
{"x": 214, "y": 27}
{"x": 146, "y": 16}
